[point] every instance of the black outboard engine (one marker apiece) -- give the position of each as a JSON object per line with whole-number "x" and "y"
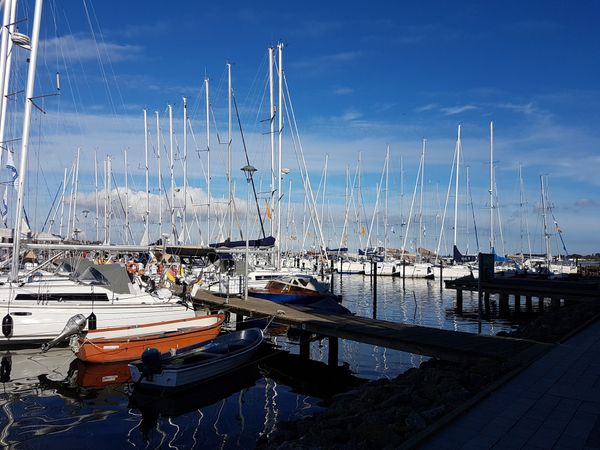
{"x": 74, "y": 325}
{"x": 151, "y": 363}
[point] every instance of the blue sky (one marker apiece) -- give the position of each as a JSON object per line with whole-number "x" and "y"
{"x": 360, "y": 77}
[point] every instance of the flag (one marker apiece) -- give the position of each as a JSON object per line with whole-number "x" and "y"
{"x": 268, "y": 210}
{"x": 10, "y": 165}
{"x": 4, "y": 207}
{"x": 363, "y": 232}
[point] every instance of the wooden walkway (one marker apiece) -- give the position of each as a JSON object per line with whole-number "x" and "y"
{"x": 443, "y": 344}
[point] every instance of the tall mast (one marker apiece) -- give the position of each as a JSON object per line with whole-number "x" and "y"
{"x": 37, "y": 17}
{"x": 385, "y": 217}
{"x": 96, "y": 191}
{"x": 62, "y": 206}
{"x": 108, "y": 196}
{"x": 172, "y": 170}
{"x": 272, "y": 123}
{"x": 126, "y": 198}
{"x": 208, "y": 161}
{"x": 229, "y": 137}
{"x": 492, "y": 187}
{"x": 280, "y": 107}
{"x": 159, "y": 175}
{"x": 146, "y": 236}
{"x": 458, "y": 145}
{"x": 75, "y": 190}
{"x": 421, "y": 198}
{"x": 185, "y": 179}
{"x": 71, "y": 196}
{"x": 5, "y": 61}
{"x": 546, "y": 234}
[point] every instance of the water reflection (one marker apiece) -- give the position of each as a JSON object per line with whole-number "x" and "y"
{"x": 62, "y": 401}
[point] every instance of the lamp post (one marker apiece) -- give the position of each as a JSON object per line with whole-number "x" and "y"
{"x": 248, "y": 171}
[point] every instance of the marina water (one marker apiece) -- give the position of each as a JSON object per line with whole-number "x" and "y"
{"x": 52, "y": 400}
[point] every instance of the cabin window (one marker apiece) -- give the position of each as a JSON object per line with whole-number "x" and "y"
{"x": 63, "y": 297}
{"x": 303, "y": 282}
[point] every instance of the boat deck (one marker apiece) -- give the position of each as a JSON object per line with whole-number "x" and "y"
{"x": 434, "y": 342}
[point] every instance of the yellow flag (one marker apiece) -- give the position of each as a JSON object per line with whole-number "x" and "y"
{"x": 268, "y": 210}
{"x": 363, "y": 232}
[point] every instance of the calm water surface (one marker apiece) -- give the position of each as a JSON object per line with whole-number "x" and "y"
{"x": 52, "y": 400}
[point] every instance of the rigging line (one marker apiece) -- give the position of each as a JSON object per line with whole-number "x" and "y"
{"x": 114, "y": 182}
{"x": 100, "y": 61}
{"x": 51, "y": 207}
{"x": 262, "y": 226}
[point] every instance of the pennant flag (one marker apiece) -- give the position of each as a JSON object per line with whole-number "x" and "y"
{"x": 4, "y": 207}
{"x": 10, "y": 165}
{"x": 363, "y": 232}
{"x": 268, "y": 210}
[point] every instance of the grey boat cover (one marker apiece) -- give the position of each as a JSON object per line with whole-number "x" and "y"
{"x": 112, "y": 276}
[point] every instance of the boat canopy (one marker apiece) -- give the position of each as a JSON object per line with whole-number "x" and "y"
{"x": 269, "y": 241}
{"x": 112, "y": 276}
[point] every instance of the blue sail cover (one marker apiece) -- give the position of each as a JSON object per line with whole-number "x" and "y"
{"x": 460, "y": 258}
{"x": 498, "y": 258}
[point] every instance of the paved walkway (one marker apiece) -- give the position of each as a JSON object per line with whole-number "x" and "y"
{"x": 554, "y": 403}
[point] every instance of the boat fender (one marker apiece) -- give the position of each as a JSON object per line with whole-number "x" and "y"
{"x": 7, "y": 325}
{"x": 151, "y": 363}
{"x": 5, "y": 368}
{"x": 92, "y": 322}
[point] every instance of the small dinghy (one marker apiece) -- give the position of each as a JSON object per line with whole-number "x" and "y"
{"x": 196, "y": 363}
{"x": 110, "y": 345}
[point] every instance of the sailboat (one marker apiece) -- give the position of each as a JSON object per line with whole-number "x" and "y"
{"x": 37, "y": 312}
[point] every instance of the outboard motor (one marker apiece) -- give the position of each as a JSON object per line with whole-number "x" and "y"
{"x": 151, "y": 363}
{"x": 74, "y": 325}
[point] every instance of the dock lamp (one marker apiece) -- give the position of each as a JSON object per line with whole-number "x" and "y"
{"x": 248, "y": 172}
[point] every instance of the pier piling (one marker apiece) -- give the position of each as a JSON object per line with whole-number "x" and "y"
{"x": 459, "y": 300}
{"x": 333, "y": 350}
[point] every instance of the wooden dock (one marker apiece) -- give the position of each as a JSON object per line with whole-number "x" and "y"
{"x": 434, "y": 342}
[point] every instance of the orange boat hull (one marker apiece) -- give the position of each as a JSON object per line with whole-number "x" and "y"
{"x": 127, "y": 349}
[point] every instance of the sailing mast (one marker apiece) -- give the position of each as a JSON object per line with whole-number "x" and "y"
{"x": 172, "y": 173}
{"x": 421, "y": 202}
{"x": 62, "y": 206}
{"x": 458, "y": 146}
{"x": 544, "y": 211}
{"x": 492, "y": 187}
{"x": 229, "y": 137}
{"x": 208, "y": 160}
{"x": 10, "y": 6}
{"x": 280, "y": 106}
{"x": 126, "y": 197}
{"x": 75, "y": 191}
{"x": 272, "y": 124}
{"x": 96, "y": 192}
{"x": 185, "y": 180}
{"x": 37, "y": 17}
{"x": 385, "y": 217}
{"x": 159, "y": 175}
{"x": 146, "y": 237}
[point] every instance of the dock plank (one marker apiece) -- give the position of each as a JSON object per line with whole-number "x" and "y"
{"x": 434, "y": 342}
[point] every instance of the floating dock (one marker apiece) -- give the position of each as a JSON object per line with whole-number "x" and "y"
{"x": 434, "y": 342}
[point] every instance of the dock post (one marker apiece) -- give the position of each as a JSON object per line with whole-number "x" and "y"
{"x": 459, "y": 300}
{"x": 333, "y": 350}
{"x": 331, "y": 270}
{"x": 403, "y": 274}
{"x": 374, "y": 289}
{"x": 517, "y": 303}
{"x": 541, "y": 303}
{"x": 486, "y": 302}
{"x": 503, "y": 303}
{"x": 555, "y": 302}
{"x": 442, "y": 283}
{"x": 304, "y": 345}
{"x": 528, "y": 304}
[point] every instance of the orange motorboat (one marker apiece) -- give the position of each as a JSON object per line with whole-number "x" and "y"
{"x": 109, "y": 345}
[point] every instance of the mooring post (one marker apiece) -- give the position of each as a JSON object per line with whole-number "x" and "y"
{"x": 333, "y": 350}
{"x": 555, "y": 302}
{"x": 304, "y": 345}
{"x": 442, "y": 276}
{"x": 403, "y": 273}
{"x": 331, "y": 270}
{"x": 517, "y": 303}
{"x": 374, "y": 289}
{"x": 503, "y": 303}
{"x": 528, "y": 304}
{"x": 541, "y": 303}
{"x": 486, "y": 302}
{"x": 459, "y": 300}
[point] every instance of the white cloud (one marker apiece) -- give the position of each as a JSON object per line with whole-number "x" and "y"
{"x": 83, "y": 48}
{"x": 453, "y": 110}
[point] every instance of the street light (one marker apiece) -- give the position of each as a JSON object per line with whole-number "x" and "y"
{"x": 248, "y": 171}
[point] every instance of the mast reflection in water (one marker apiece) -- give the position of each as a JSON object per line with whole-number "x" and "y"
{"x": 52, "y": 400}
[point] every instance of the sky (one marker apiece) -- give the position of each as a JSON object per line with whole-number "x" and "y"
{"x": 360, "y": 78}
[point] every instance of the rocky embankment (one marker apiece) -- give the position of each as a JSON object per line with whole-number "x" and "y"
{"x": 387, "y": 413}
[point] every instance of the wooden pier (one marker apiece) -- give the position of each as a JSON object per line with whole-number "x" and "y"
{"x": 434, "y": 342}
